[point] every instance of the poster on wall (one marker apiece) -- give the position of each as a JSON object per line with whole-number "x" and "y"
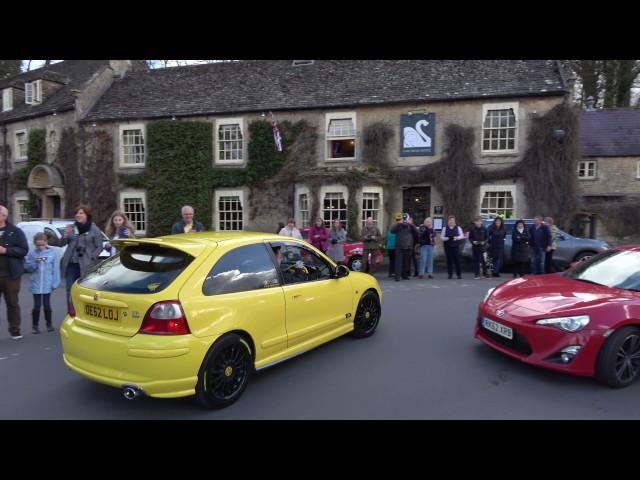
{"x": 417, "y": 134}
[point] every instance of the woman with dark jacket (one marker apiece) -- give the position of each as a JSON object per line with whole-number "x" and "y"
{"x": 520, "y": 249}
{"x": 497, "y": 232}
{"x": 84, "y": 242}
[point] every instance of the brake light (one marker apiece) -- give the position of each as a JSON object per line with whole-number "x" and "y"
{"x": 72, "y": 309}
{"x": 165, "y": 318}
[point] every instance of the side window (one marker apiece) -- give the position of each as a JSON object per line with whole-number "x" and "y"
{"x": 240, "y": 270}
{"x": 299, "y": 264}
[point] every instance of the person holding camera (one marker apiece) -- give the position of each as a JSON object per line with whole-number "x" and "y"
{"x": 450, "y": 236}
{"x": 370, "y": 237}
{"x": 45, "y": 278}
{"x": 478, "y": 236}
{"x": 406, "y": 237}
{"x": 84, "y": 244}
{"x": 119, "y": 226}
{"x": 337, "y": 237}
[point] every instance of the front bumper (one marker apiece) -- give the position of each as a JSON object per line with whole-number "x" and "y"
{"x": 537, "y": 344}
{"x": 162, "y": 366}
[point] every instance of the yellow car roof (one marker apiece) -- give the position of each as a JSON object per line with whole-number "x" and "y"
{"x": 195, "y": 243}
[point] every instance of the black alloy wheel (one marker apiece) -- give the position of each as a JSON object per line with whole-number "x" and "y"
{"x": 225, "y": 372}
{"x": 619, "y": 361}
{"x": 367, "y": 315}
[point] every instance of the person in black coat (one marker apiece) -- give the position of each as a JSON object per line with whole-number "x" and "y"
{"x": 520, "y": 249}
{"x": 13, "y": 248}
{"x": 497, "y": 232}
{"x": 478, "y": 237}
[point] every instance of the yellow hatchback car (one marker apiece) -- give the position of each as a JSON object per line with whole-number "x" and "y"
{"x": 196, "y": 314}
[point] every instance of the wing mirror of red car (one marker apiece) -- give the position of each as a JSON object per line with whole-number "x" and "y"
{"x": 341, "y": 271}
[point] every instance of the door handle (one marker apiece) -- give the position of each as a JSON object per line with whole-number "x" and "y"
{"x": 296, "y": 296}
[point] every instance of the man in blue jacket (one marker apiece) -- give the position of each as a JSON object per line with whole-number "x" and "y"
{"x": 540, "y": 241}
{"x": 188, "y": 223}
{"x": 13, "y": 248}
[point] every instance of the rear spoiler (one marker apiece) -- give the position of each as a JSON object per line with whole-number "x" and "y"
{"x": 193, "y": 248}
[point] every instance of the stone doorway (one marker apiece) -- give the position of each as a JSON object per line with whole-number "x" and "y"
{"x": 45, "y": 182}
{"x": 416, "y": 201}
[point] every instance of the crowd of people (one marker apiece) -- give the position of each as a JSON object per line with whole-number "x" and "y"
{"x": 409, "y": 247}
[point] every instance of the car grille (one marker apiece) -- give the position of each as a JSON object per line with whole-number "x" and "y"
{"x": 519, "y": 343}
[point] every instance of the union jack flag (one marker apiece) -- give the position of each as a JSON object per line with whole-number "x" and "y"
{"x": 276, "y": 132}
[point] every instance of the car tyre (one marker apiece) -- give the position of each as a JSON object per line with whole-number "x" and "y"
{"x": 225, "y": 372}
{"x": 355, "y": 263}
{"x": 582, "y": 256}
{"x": 367, "y": 315}
{"x": 618, "y": 362}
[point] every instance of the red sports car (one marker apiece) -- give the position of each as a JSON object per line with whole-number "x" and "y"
{"x": 585, "y": 321}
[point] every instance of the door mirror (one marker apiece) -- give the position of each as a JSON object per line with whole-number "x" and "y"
{"x": 341, "y": 271}
{"x": 560, "y": 237}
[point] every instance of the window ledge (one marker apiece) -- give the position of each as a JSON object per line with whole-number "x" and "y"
{"x": 230, "y": 163}
{"x": 590, "y": 179}
{"x": 344, "y": 159}
{"x": 510, "y": 153}
{"x": 132, "y": 167}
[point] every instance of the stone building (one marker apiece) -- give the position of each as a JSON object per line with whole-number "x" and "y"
{"x": 51, "y": 98}
{"x": 340, "y": 101}
{"x": 609, "y": 170}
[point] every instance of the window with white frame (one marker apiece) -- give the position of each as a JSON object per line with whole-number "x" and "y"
{"x": 7, "y": 99}
{"x": 228, "y": 210}
{"x": 132, "y": 148}
{"x": 500, "y": 128}
{"x": 20, "y": 145}
{"x": 498, "y": 200}
{"x": 587, "y": 170}
{"x": 133, "y": 204}
{"x": 638, "y": 170}
{"x": 230, "y": 140}
{"x": 341, "y": 136}
{"x": 303, "y": 209}
{"x": 33, "y": 92}
{"x": 372, "y": 206}
{"x": 22, "y": 212}
{"x": 334, "y": 207}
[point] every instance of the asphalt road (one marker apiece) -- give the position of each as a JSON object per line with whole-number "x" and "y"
{"x": 422, "y": 363}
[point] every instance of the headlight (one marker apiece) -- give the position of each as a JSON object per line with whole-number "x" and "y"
{"x": 606, "y": 246}
{"x": 488, "y": 294}
{"x": 568, "y": 324}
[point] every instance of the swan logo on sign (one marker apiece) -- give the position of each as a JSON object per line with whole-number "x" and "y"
{"x": 418, "y": 134}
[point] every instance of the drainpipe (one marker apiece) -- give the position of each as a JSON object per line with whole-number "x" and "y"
{"x": 5, "y": 161}
{"x": 82, "y": 162}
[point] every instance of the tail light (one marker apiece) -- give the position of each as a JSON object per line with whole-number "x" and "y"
{"x": 165, "y": 318}
{"x": 72, "y": 309}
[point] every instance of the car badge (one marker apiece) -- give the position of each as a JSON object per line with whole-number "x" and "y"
{"x": 95, "y": 297}
{"x": 500, "y": 313}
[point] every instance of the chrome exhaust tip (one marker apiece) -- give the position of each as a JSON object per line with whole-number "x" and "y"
{"x": 131, "y": 392}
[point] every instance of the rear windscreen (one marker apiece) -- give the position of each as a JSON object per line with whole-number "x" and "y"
{"x": 137, "y": 269}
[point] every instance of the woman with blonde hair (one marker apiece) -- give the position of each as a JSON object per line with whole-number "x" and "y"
{"x": 118, "y": 226}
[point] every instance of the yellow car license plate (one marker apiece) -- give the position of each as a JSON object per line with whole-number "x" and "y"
{"x": 101, "y": 312}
